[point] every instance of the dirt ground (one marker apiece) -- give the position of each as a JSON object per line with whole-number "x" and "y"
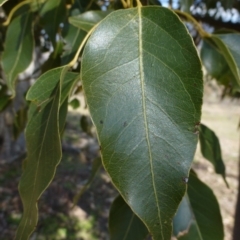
{"x": 88, "y": 220}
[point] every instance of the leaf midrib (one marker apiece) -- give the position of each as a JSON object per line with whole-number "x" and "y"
{"x": 40, "y": 153}
{"x": 142, "y": 81}
{"x": 129, "y": 227}
{"x": 20, "y": 48}
{"x": 230, "y": 57}
{"x": 77, "y": 22}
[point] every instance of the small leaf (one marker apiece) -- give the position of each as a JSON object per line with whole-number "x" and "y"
{"x": 88, "y": 19}
{"x": 211, "y": 150}
{"x": 73, "y": 39}
{"x": 97, "y": 163}
{"x": 148, "y": 140}
{"x": 228, "y": 44}
{"x": 36, "y": 5}
{"x": 198, "y": 216}
{"x": 217, "y": 67}
{"x": 213, "y": 60}
{"x": 62, "y": 116}
{"x": 86, "y": 124}
{"x": 43, "y": 132}
{"x": 75, "y": 103}
{"x": 69, "y": 82}
{"x": 18, "y": 51}
{"x": 124, "y": 224}
{"x": 43, "y": 155}
{"x": 5, "y": 99}
{"x": 43, "y": 88}
{"x": 20, "y": 121}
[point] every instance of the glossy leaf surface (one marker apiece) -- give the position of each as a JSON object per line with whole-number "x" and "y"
{"x": 211, "y": 150}
{"x": 143, "y": 84}
{"x": 18, "y": 51}
{"x": 198, "y": 216}
{"x": 124, "y": 224}
{"x": 88, "y": 19}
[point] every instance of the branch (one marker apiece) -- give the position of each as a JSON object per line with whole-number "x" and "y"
{"x": 217, "y": 23}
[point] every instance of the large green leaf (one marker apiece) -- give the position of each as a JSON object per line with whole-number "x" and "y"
{"x": 18, "y": 51}
{"x": 88, "y": 19}
{"x": 198, "y": 216}
{"x": 228, "y": 45}
{"x": 143, "y": 85}
{"x": 211, "y": 150}
{"x": 124, "y": 224}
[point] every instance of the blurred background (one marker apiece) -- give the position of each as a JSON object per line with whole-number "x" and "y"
{"x": 88, "y": 220}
